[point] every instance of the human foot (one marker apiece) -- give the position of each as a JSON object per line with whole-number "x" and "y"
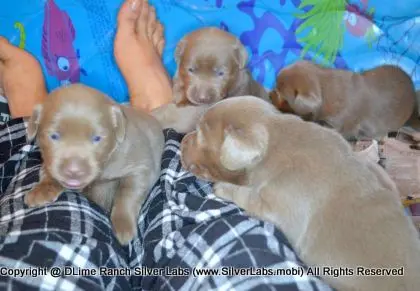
{"x": 21, "y": 79}
{"x": 138, "y": 48}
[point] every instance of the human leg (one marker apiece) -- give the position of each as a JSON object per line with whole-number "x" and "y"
{"x": 21, "y": 79}
{"x": 71, "y": 232}
{"x": 138, "y": 50}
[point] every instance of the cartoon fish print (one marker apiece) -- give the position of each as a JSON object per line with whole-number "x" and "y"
{"x": 357, "y": 19}
{"x": 60, "y": 57}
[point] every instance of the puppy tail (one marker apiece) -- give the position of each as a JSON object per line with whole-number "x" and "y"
{"x": 181, "y": 119}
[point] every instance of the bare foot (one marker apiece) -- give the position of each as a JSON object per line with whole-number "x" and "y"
{"x": 21, "y": 79}
{"x": 138, "y": 50}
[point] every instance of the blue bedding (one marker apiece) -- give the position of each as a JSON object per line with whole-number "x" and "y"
{"x": 73, "y": 38}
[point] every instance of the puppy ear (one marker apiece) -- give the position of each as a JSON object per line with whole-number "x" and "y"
{"x": 241, "y": 54}
{"x": 119, "y": 122}
{"x": 243, "y": 149}
{"x": 33, "y": 123}
{"x": 307, "y": 104}
{"x": 179, "y": 50}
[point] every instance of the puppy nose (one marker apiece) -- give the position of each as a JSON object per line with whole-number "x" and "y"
{"x": 203, "y": 98}
{"x": 75, "y": 169}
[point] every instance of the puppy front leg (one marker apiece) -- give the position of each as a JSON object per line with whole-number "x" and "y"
{"x": 102, "y": 193}
{"x": 239, "y": 195}
{"x": 246, "y": 198}
{"x": 127, "y": 203}
{"x": 46, "y": 191}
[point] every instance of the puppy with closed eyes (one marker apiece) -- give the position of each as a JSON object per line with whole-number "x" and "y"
{"x": 336, "y": 209}
{"x": 365, "y": 105}
{"x": 111, "y": 153}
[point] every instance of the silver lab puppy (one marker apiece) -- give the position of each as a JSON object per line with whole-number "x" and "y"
{"x": 111, "y": 153}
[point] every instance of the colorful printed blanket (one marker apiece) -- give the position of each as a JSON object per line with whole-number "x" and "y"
{"x": 73, "y": 38}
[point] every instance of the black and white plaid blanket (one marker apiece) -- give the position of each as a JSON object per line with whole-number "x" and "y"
{"x": 183, "y": 230}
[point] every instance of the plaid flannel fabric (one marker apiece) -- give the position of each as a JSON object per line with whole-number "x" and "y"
{"x": 182, "y": 226}
{"x": 4, "y": 109}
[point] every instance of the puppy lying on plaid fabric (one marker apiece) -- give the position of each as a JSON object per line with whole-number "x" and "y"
{"x": 182, "y": 225}
{"x": 336, "y": 209}
{"x": 111, "y": 153}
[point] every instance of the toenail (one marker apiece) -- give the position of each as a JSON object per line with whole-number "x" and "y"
{"x": 134, "y": 4}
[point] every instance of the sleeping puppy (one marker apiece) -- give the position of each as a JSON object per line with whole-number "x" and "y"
{"x": 359, "y": 105}
{"x": 212, "y": 66}
{"x": 336, "y": 209}
{"x": 111, "y": 153}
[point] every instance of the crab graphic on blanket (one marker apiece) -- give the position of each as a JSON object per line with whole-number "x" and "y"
{"x": 60, "y": 57}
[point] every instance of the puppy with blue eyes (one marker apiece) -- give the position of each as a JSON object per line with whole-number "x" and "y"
{"x": 110, "y": 153}
{"x": 211, "y": 66}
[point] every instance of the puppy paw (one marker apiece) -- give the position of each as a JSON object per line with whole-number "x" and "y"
{"x": 125, "y": 226}
{"x": 42, "y": 194}
{"x": 223, "y": 191}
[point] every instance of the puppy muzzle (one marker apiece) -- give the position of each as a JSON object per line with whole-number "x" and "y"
{"x": 75, "y": 173}
{"x": 203, "y": 96}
